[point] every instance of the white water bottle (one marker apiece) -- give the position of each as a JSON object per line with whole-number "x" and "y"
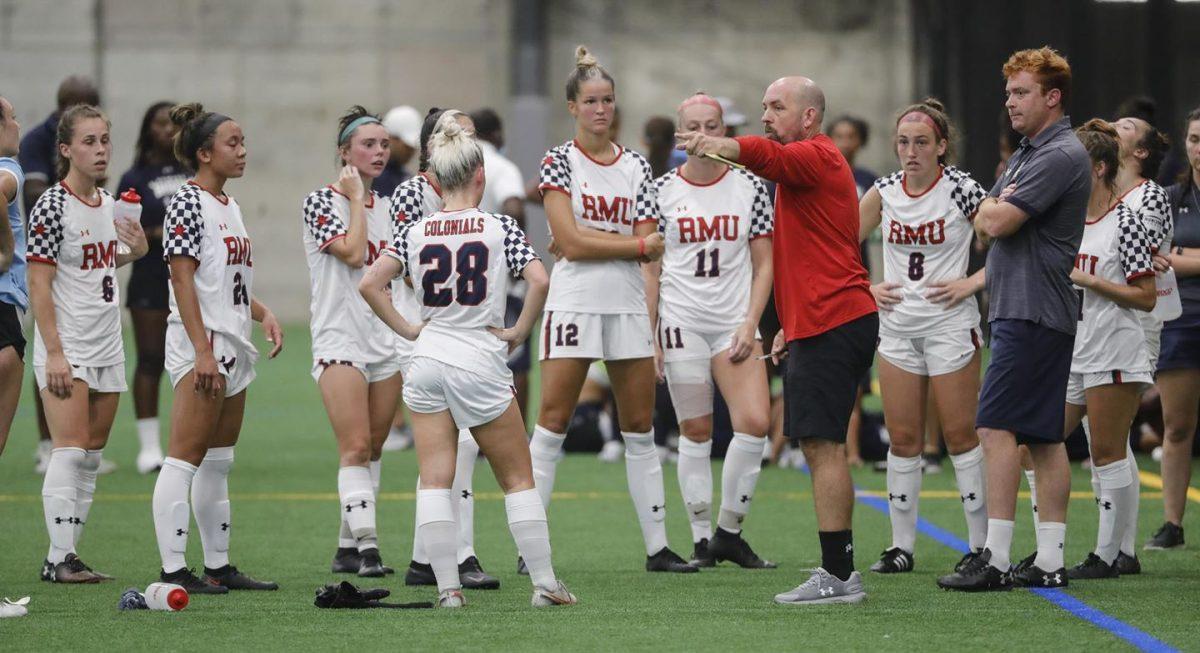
{"x": 166, "y": 596}
{"x": 127, "y": 207}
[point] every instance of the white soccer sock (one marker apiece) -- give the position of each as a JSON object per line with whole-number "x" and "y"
{"x": 358, "y": 505}
{"x": 972, "y": 490}
{"x": 544, "y": 450}
{"x": 643, "y": 472}
{"x": 418, "y": 552}
{"x": 696, "y": 485}
{"x": 1114, "y": 513}
{"x": 376, "y": 467}
{"x": 210, "y": 505}
{"x": 463, "y": 492}
{"x": 1087, "y": 434}
{"x": 1030, "y": 478}
{"x": 904, "y": 492}
{"x": 147, "y": 430}
{"x": 170, "y": 506}
{"x": 435, "y": 521}
{"x": 1051, "y": 537}
{"x": 739, "y": 477}
{"x": 85, "y": 489}
{"x": 60, "y": 500}
{"x": 345, "y": 535}
{"x": 1132, "y": 501}
{"x": 999, "y": 543}
{"x": 527, "y": 522}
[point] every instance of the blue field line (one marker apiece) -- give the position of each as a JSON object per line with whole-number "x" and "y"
{"x": 1140, "y": 639}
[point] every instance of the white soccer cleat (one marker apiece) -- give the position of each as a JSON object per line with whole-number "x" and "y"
{"x": 612, "y": 452}
{"x": 42, "y": 457}
{"x": 558, "y": 595}
{"x": 149, "y": 461}
{"x": 452, "y": 598}
{"x": 106, "y": 466}
{"x": 398, "y": 439}
{"x": 11, "y": 608}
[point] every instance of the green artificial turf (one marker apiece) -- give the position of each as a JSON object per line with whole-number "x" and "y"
{"x": 285, "y": 527}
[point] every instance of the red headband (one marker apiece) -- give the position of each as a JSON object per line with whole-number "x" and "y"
{"x": 921, "y": 116}
{"x": 701, "y": 98}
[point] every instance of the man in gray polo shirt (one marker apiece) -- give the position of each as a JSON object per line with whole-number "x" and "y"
{"x": 1035, "y": 215}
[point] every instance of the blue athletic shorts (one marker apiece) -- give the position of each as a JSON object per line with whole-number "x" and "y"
{"x": 1025, "y": 386}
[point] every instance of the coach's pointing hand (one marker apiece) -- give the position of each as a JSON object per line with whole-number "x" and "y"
{"x": 699, "y": 144}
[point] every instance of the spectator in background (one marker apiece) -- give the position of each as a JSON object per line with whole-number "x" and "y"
{"x": 403, "y": 125}
{"x": 658, "y": 137}
{"x": 850, "y": 134}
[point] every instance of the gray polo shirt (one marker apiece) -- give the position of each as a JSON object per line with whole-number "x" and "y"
{"x": 1029, "y": 272}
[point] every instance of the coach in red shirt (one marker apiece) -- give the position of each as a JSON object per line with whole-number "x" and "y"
{"x": 827, "y": 312}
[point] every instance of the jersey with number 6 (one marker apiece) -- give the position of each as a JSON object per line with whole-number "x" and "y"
{"x": 927, "y": 238}
{"x": 343, "y": 326}
{"x": 460, "y": 264}
{"x": 79, "y": 239}
{"x": 707, "y": 229}
{"x": 210, "y": 230}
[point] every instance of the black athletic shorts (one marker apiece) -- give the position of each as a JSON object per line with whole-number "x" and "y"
{"x": 820, "y": 382}
{"x": 148, "y": 283}
{"x": 10, "y": 329}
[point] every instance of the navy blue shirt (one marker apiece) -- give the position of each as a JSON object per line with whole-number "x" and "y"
{"x": 38, "y": 153}
{"x": 392, "y": 176}
{"x": 1185, "y": 202}
{"x": 1029, "y": 272}
{"x": 156, "y": 184}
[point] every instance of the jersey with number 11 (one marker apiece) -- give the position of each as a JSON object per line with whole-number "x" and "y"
{"x": 210, "y": 230}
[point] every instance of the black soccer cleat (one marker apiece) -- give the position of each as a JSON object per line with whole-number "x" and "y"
{"x": 732, "y": 547}
{"x": 229, "y": 576}
{"x": 1169, "y": 536}
{"x": 978, "y": 575}
{"x": 346, "y": 561}
{"x": 967, "y": 557}
{"x": 419, "y": 573}
{"x": 371, "y": 565}
{"x": 1093, "y": 567}
{"x": 1024, "y": 564}
{"x": 895, "y": 561}
{"x": 473, "y": 577}
{"x": 1128, "y": 565}
{"x": 521, "y": 568}
{"x": 186, "y": 579}
{"x": 668, "y": 561}
{"x": 1036, "y": 577}
{"x": 700, "y": 555}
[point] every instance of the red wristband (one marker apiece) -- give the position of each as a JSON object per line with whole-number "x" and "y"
{"x": 641, "y": 247}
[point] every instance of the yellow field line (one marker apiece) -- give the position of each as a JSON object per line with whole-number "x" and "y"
{"x": 1150, "y": 479}
{"x": 558, "y": 496}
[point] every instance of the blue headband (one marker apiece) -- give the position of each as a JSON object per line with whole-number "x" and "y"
{"x": 355, "y": 124}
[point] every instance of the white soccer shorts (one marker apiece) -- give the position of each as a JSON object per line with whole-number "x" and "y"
{"x": 596, "y": 336}
{"x": 933, "y": 355}
{"x": 110, "y": 378}
{"x": 1080, "y": 382}
{"x": 373, "y": 372}
{"x": 234, "y": 362}
{"x": 473, "y": 399}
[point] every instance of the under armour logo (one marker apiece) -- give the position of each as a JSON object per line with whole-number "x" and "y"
{"x": 180, "y": 532}
{"x": 826, "y": 591}
{"x": 67, "y": 520}
{"x": 745, "y": 498}
{"x": 850, "y": 547}
{"x": 467, "y": 494}
{"x": 1107, "y": 505}
{"x": 228, "y": 363}
{"x": 1035, "y": 507}
{"x": 969, "y": 497}
{"x": 902, "y": 497}
{"x": 224, "y": 526}
{"x": 223, "y": 227}
{"x": 351, "y": 506}
{"x": 657, "y": 508}
{"x": 1054, "y": 579}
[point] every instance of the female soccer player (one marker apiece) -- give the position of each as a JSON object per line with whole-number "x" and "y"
{"x": 928, "y": 322}
{"x": 417, "y": 198}
{"x": 14, "y": 293}
{"x": 706, "y": 302}
{"x": 347, "y": 227}
{"x": 457, "y": 377}
{"x": 1111, "y": 365}
{"x": 155, "y": 175}
{"x": 1179, "y": 360}
{"x": 209, "y": 355}
{"x": 78, "y": 355}
{"x": 599, "y": 201}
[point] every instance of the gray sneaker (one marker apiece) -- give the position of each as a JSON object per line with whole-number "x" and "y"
{"x": 823, "y": 587}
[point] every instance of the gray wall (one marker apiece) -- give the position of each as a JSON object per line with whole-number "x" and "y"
{"x": 285, "y": 69}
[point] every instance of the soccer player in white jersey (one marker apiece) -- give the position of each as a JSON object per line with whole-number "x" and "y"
{"x": 347, "y": 227}
{"x": 209, "y": 354}
{"x": 928, "y": 323}
{"x": 1111, "y": 363}
{"x": 706, "y": 302}
{"x": 417, "y": 198}
{"x": 599, "y": 201}
{"x": 78, "y": 355}
{"x": 459, "y": 260}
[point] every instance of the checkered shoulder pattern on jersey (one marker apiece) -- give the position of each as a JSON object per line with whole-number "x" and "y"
{"x": 1134, "y": 243}
{"x": 1155, "y": 212}
{"x": 414, "y": 200}
{"x": 46, "y": 226}
{"x": 321, "y": 222}
{"x": 183, "y": 227}
{"x": 518, "y": 253}
{"x": 966, "y": 193}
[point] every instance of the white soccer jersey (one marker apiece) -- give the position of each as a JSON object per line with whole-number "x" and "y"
{"x": 706, "y": 269}
{"x": 1149, "y": 202}
{"x": 79, "y": 239}
{"x": 344, "y": 328}
{"x": 412, "y": 201}
{"x": 1109, "y": 337}
{"x": 926, "y": 238}
{"x": 461, "y": 263}
{"x": 210, "y": 229}
{"x": 609, "y": 197}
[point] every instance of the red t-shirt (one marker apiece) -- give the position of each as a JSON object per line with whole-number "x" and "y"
{"x": 820, "y": 281}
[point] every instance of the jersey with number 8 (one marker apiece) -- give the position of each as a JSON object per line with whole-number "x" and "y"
{"x": 210, "y": 229}
{"x": 460, "y": 263}
{"x": 79, "y": 239}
